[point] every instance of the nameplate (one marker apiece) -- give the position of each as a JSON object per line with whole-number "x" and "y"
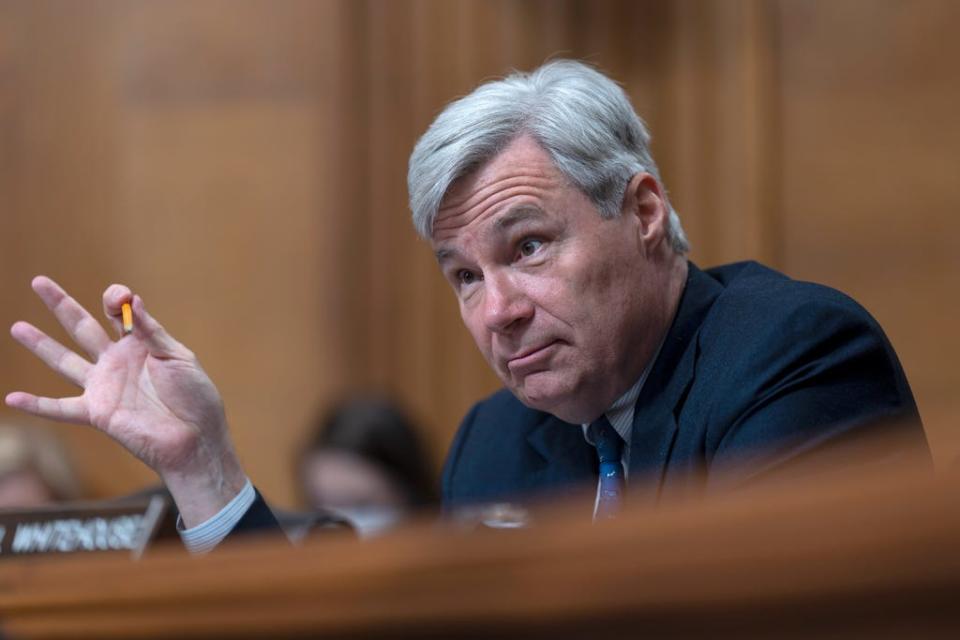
{"x": 81, "y": 528}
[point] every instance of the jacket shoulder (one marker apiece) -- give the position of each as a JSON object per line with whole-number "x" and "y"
{"x": 784, "y": 364}
{"x": 758, "y": 302}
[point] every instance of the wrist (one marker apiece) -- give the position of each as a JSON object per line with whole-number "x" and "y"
{"x": 202, "y": 489}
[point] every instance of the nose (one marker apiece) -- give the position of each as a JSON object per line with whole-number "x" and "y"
{"x": 505, "y": 303}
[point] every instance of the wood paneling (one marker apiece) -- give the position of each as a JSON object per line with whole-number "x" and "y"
{"x": 242, "y": 164}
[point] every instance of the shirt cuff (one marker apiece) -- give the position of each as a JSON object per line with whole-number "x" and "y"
{"x": 207, "y": 535}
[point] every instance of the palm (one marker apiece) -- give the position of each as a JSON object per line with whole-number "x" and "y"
{"x": 145, "y": 390}
{"x": 150, "y": 405}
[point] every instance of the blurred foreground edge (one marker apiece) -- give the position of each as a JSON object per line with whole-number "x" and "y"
{"x": 849, "y": 550}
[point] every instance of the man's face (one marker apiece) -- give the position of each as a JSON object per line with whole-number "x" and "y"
{"x": 564, "y": 305}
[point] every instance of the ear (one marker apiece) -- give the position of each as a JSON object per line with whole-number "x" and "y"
{"x": 644, "y": 200}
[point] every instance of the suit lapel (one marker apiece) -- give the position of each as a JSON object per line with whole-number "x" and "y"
{"x": 564, "y": 456}
{"x": 654, "y": 419}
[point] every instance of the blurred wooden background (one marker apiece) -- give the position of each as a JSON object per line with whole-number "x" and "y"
{"x": 242, "y": 165}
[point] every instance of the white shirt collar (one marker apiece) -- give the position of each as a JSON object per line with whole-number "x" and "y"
{"x": 620, "y": 413}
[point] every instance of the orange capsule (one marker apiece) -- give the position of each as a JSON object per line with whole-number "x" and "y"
{"x": 127, "y": 317}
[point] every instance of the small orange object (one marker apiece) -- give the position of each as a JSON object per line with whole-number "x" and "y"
{"x": 127, "y": 311}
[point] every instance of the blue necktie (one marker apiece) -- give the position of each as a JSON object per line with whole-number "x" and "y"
{"x": 612, "y": 478}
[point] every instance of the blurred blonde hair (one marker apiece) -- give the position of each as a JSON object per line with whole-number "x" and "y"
{"x": 33, "y": 449}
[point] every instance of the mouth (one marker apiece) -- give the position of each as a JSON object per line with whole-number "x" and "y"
{"x": 529, "y": 359}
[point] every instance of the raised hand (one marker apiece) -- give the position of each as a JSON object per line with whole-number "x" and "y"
{"x": 145, "y": 390}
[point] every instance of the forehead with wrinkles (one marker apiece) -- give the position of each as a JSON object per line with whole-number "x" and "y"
{"x": 522, "y": 169}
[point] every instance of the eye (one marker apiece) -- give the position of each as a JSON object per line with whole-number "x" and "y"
{"x": 465, "y": 277}
{"x": 530, "y": 246}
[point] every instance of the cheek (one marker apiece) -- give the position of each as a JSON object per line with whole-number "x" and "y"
{"x": 601, "y": 298}
{"x": 601, "y": 278}
{"x": 589, "y": 291}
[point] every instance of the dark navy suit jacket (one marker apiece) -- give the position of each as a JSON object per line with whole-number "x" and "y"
{"x": 757, "y": 371}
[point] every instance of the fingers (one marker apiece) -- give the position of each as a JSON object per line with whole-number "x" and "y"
{"x": 55, "y": 355}
{"x": 61, "y": 409}
{"x": 81, "y": 326}
{"x": 160, "y": 343}
{"x": 113, "y": 300}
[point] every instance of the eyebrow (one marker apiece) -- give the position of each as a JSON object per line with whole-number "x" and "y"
{"x": 515, "y": 216}
{"x": 444, "y": 254}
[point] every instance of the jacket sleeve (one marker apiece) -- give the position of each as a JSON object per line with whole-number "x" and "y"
{"x": 258, "y": 519}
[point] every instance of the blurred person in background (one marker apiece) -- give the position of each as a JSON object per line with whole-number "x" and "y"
{"x": 365, "y": 462}
{"x": 34, "y": 469}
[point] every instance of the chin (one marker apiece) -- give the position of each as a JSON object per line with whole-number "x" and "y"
{"x": 545, "y": 392}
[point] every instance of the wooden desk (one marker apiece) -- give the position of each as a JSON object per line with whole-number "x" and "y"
{"x": 875, "y": 557}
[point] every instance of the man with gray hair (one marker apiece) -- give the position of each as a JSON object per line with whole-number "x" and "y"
{"x": 547, "y": 215}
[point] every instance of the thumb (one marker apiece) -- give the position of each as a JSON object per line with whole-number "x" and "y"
{"x": 159, "y": 343}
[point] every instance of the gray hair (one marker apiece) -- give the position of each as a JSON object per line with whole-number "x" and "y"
{"x": 582, "y": 118}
